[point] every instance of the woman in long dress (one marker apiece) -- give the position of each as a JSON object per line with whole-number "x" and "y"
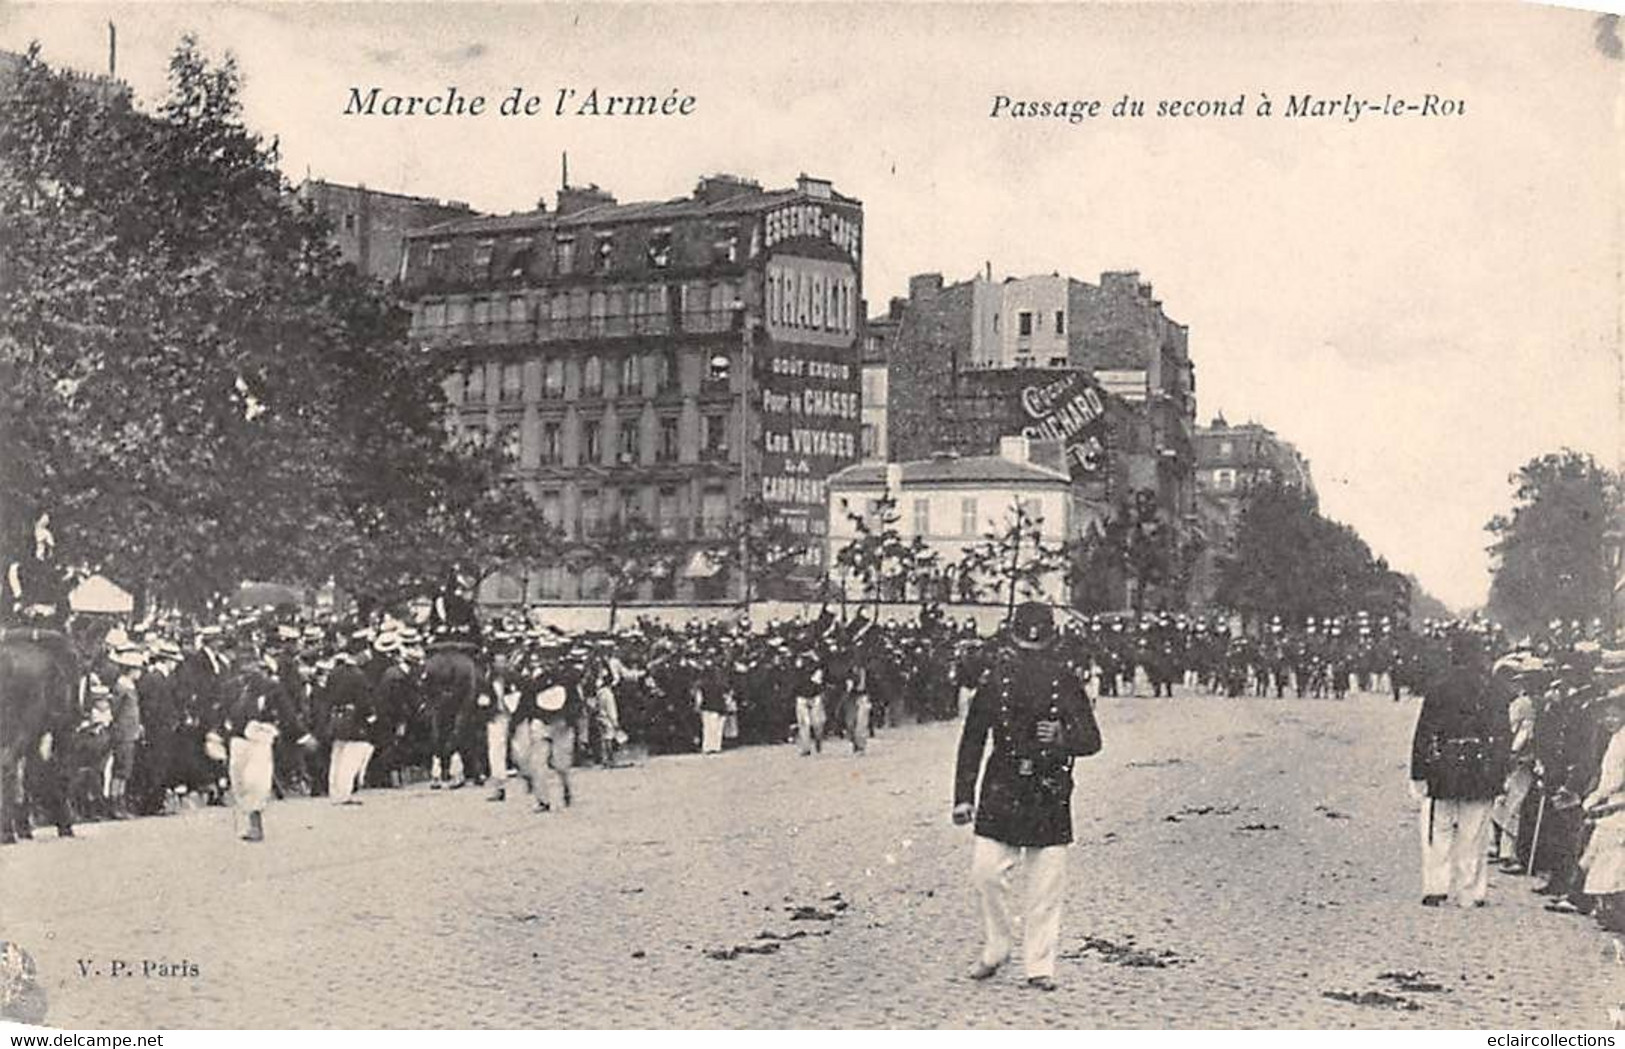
{"x": 1604, "y": 858}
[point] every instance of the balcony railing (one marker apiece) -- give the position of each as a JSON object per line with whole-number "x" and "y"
{"x": 616, "y": 326}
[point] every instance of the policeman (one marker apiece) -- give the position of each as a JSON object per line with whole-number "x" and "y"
{"x": 1039, "y": 717}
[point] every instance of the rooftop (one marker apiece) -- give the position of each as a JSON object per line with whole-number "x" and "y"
{"x": 975, "y": 469}
{"x": 750, "y": 200}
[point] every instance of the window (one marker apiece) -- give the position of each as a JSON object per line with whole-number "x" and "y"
{"x": 513, "y": 382}
{"x": 967, "y": 518}
{"x": 591, "y": 513}
{"x": 550, "y": 582}
{"x": 1024, "y": 323}
{"x": 594, "y": 582}
{"x": 665, "y": 371}
{"x": 512, "y": 442}
{"x": 552, "y": 444}
{"x": 349, "y": 222}
{"x": 482, "y": 311}
{"x": 564, "y": 255}
{"x": 1057, "y": 362}
{"x": 715, "y": 439}
{"x": 438, "y": 254}
{"x": 714, "y": 511}
{"x": 726, "y": 247}
{"x": 1060, "y": 322}
{"x": 434, "y": 315}
{"x": 519, "y": 258}
{"x": 667, "y": 451}
{"x": 631, "y": 381}
{"x": 483, "y": 250}
{"x": 475, "y": 387}
{"x": 1225, "y": 449}
{"x": 1224, "y": 480}
{"x": 603, "y": 251}
{"x": 553, "y": 509}
{"x": 516, "y": 309}
{"x": 592, "y": 442}
{"x": 660, "y": 248}
{"x": 922, "y": 517}
{"x": 629, "y": 450}
{"x": 592, "y": 374}
{"x": 666, "y": 513}
{"x": 553, "y": 377}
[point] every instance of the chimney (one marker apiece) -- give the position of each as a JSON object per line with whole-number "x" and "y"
{"x": 112, "y": 50}
{"x": 1015, "y": 449}
{"x": 817, "y": 188}
{"x": 579, "y": 198}
{"x": 924, "y": 286}
{"x": 714, "y": 188}
{"x": 896, "y": 307}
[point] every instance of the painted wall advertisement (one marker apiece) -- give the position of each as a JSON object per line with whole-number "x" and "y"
{"x": 1070, "y": 409}
{"x": 808, "y": 367}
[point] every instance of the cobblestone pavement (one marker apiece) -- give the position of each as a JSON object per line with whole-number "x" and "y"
{"x": 1250, "y": 854}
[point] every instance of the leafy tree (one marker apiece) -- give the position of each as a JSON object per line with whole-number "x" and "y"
{"x": 880, "y": 558}
{"x": 759, "y": 545}
{"x": 1291, "y": 561}
{"x": 1550, "y": 555}
{"x": 191, "y": 381}
{"x": 1017, "y": 556}
{"x": 631, "y": 551}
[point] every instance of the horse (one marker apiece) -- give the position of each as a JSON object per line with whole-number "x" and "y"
{"x": 451, "y": 679}
{"x": 38, "y": 702}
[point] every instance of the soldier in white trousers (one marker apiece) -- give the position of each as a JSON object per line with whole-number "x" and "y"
{"x": 1458, "y": 766}
{"x": 1035, "y": 713}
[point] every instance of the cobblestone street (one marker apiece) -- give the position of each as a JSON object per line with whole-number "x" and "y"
{"x": 1236, "y": 861}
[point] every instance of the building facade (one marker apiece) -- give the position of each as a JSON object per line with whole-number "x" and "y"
{"x": 677, "y": 361}
{"x": 876, "y": 381}
{"x": 1230, "y": 462}
{"x": 370, "y": 226}
{"x": 952, "y": 503}
{"x": 1099, "y": 366}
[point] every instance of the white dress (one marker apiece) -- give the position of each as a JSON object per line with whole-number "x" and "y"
{"x": 1604, "y": 859}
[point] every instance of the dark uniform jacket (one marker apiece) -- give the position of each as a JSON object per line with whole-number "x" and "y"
{"x": 349, "y": 703}
{"x": 1026, "y": 786}
{"x": 1461, "y": 740}
{"x": 256, "y": 696}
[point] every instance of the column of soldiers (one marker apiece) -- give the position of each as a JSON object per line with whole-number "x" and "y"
{"x": 1324, "y": 658}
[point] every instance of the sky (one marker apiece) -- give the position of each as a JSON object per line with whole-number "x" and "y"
{"x": 1421, "y": 304}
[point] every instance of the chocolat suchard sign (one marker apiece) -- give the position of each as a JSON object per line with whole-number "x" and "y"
{"x": 808, "y": 366}
{"x": 1069, "y": 408}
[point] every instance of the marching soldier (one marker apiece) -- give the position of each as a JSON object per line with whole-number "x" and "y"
{"x": 1040, "y": 720}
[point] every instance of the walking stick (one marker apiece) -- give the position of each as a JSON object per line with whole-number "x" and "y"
{"x": 1534, "y": 839}
{"x": 1431, "y": 805}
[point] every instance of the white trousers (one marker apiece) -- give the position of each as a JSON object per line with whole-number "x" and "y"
{"x": 251, "y": 769}
{"x": 711, "y": 724}
{"x": 344, "y": 769}
{"x": 496, "y": 746}
{"x": 992, "y": 863}
{"x": 1455, "y": 842}
{"x": 1508, "y": 813}
{"x": 809, "y": 722}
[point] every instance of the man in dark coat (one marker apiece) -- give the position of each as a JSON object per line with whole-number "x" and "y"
{"x": 1040, "y": 719}
{"x": 1458, "y": 764}
{"x": 349, "y": 704}
{"x": 260, "y": 710}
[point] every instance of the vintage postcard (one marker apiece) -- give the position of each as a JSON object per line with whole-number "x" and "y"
{"x": 812, "y": 515}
